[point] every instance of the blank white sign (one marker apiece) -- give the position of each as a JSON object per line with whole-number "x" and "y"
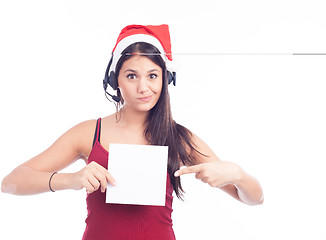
{"x": 140, "y": 172}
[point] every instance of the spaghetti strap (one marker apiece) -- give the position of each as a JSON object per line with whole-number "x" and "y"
{"x": 99, "y": 130}
{"x": 97, "y": 133}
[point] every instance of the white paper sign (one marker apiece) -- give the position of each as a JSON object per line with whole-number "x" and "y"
{"x": 140, "y": 172}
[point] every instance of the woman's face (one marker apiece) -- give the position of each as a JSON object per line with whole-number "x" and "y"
{"x": 140, "y": 83}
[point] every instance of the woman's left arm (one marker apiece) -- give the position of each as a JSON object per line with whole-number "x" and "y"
{"x": 227, "y": 176}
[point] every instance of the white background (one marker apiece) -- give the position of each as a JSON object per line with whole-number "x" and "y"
{"x": 264, "y": 112}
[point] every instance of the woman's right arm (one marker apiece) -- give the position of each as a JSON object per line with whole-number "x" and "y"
{"x": 33, "y": 176}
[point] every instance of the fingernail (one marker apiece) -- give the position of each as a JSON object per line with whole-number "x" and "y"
{"x": 176, "y": 174}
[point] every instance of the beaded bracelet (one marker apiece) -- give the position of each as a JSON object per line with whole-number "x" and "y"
{"x": 50, "y": 182}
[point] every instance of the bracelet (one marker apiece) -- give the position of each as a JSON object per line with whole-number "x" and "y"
{"x": 50, "y": 182}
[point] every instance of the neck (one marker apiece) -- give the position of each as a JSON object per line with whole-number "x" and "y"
{"x": 132, "y": 119}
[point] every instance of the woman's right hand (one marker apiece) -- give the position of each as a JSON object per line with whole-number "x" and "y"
{"x": 92, "y": 177}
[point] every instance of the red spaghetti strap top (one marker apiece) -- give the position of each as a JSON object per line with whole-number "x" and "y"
{"x": 107, "y": 221}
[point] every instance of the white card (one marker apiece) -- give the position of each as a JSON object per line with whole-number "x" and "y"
{"x": 140, "y": 172}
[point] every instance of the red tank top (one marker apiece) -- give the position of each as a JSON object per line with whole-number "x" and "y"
{"x": 107, "y": 221}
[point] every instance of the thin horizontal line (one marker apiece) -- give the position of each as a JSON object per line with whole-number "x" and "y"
{"x": 233, "y": 54}
{"x": 309, "y": 53}
{"x": 216, "y": 54}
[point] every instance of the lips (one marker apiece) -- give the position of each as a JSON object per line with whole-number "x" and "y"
{"x": 145, "y": 99}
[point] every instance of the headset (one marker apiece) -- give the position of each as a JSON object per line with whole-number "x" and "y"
{"x": 111, "y": 79}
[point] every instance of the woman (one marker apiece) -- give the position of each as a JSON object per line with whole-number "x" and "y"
{"x": 140, "y": 72}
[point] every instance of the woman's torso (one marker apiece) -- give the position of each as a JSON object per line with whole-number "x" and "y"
{"x": 119, "y": 221}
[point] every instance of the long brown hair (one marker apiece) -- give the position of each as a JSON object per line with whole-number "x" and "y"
{"x": 161, "y": 129}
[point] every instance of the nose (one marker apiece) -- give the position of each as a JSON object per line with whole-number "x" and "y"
{"x": 143, "y": 85}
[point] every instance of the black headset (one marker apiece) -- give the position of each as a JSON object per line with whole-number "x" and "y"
{"x": 112, "y": 80}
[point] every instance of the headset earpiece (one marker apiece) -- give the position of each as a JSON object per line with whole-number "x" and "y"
{"x": 172, "y": 77}
{"x": 113, "y": 81}
{"x": 105, "y": 82}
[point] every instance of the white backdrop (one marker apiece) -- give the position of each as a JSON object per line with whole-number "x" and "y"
{"x": 264, "y": 112}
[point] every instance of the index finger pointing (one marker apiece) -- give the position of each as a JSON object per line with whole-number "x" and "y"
{"x": 187, "y": 170}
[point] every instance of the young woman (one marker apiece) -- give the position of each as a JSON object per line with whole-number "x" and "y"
{"x": 140, "y": 72}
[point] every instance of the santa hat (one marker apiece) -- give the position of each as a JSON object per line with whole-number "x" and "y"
{"x": 157, "y": 36}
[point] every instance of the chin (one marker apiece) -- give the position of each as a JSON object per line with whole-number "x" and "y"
{"x": 146, "y": 107}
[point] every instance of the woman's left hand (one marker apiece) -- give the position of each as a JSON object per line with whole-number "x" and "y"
{"x": 216, "y": 174}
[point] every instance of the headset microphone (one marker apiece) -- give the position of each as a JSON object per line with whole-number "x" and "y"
{"x": 115, "y": 98}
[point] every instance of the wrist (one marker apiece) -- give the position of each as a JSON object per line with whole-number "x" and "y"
{"x": 238, "y": 175}
{"x": 60, "y": 181}
{"x": 50, "y": 186}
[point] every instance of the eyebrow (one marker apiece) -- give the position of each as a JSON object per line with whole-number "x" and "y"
{"x": 134, "y": 71}
{"x": 130, "y": 70}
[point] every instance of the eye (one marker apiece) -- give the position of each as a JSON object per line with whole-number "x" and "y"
{"x": 131, "y": 76}
{"x": 153, "y": 76}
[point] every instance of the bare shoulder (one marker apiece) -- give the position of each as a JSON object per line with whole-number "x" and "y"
{"x": 84, "y": 127}
{"x": 207, "y": 154}
{"x": 76, "y": 143}
{"x": 82, "y": 135}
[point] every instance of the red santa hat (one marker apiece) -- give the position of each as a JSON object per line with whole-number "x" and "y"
{"x": 157, "y": 35}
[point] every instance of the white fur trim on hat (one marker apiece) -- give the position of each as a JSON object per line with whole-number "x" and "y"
{"x": 127, "y": 41}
